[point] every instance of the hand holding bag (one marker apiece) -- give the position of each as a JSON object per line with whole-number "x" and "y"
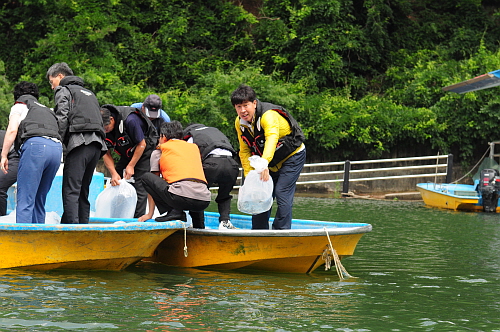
{"x": 255, "y": 196}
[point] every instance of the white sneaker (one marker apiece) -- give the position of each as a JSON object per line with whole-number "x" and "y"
{"x": 226, "y": 224}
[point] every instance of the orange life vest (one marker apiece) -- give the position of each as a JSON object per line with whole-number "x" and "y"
{"x": 181, "y": 160}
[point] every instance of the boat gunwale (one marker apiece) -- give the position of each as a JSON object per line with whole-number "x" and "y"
{"x": 113, "y": 227}
{"x": 446, "y": 193}
{"x": 332, "y": 231}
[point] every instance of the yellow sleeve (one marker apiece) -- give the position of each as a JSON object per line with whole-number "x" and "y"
{"x": 275, "y": 127}
{"x": 245, "y": 151}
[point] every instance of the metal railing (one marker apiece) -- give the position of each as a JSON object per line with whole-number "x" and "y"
{"x": 344, "y": 174}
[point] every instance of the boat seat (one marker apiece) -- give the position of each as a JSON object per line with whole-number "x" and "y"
{"x": 466, "y": 193}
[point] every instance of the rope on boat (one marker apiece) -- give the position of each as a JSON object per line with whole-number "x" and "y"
{"x": 330, "y": 252}
{"x": 185, "y": 241}
{"x": 480, "y": 161}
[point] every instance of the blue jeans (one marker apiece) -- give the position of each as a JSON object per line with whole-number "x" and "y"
{"x": 40, "y": 160}
{"x": 284, "y": 182}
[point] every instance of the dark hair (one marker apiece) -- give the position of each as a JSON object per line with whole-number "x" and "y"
{"x": 242, "y": 94}
{"x": 106, "y": 116}
{"x": 171, "y": 130}
{"x": 26, "y": 88}
{"x": 59, "y": 68}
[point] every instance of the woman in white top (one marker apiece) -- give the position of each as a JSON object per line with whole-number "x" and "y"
{"x": 34, "y": 132}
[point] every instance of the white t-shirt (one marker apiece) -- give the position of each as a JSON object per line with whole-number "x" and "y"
{"x": 18, "y": 113}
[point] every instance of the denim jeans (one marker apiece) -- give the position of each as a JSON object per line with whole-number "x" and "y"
{"x": 284, "y": 182}
{"x": 40, "y": 160}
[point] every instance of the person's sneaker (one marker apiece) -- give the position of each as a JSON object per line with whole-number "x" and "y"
{"x": 226, "y": 224}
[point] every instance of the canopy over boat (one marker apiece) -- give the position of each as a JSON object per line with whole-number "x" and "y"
{"x": 484, "y": 81}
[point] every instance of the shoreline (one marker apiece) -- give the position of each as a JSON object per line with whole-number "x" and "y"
{"x": 404, "y": 196}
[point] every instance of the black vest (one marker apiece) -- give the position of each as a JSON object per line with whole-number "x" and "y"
{"x": 207, "y": 139}
{"x": 285, "y": 146}
{"x": 119, "y": 140}
{"x": 40, "y": 121}
{"x": 85, "y": 114}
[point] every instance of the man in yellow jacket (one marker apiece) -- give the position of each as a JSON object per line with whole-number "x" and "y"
{"x": 272, "y": 133}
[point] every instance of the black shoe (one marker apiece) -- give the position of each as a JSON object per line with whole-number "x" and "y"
{"x": 172, "y": 215}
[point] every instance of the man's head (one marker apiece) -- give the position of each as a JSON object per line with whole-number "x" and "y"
{"x": 57, "y": 72}
{"x": 171, "y": 130}
{"x": 26, "y": 88}
{"x": 108, "y": 120}
{"x": 244, "y": 101}
{"x": 152, "y": 106}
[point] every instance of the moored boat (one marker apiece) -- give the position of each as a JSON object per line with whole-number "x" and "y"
{"x": 451, "y": 196}
{"x": 100, "y": 245}
{"x": 301, "y": 249}
{"x": 483, "y": 195}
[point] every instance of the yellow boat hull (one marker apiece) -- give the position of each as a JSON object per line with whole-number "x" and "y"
{"x": 84, "y": 247}
{"x": 455, "y": 197}
{"x": 295, "y": 251}
{"x": 448, "y": 202}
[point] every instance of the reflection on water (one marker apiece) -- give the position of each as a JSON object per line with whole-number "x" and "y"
{"x": 420, "y": 269}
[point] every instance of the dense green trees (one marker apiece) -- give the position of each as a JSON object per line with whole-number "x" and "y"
{"x": 363, "y": 78}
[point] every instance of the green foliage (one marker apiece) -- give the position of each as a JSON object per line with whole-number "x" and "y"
{"x": 468, "y": 121}
{"x": 208, "y": 100}
{"x": 363, "y": 78}
{"x": 372, "y": 125}
{"x": 6, "y": 98}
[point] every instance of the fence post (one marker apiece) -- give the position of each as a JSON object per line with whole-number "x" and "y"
{"x": 347, "y": 169}
{"x": 449, "y": 168}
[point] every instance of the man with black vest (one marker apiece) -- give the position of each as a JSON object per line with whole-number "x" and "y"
{"x": 82, "y": 133}
{"x": 218, "y": 165}
{"x": 132, "y": 135}
{"x": 34, "y": 132}
{"x": 270, "y": 132}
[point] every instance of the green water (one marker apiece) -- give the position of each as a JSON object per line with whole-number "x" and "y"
{"x": 420, "y": 269}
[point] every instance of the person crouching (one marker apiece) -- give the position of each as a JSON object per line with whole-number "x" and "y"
{"x": 183, "y": 185}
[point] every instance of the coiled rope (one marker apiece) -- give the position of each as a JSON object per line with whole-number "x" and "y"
{"x": 330, "y": 252}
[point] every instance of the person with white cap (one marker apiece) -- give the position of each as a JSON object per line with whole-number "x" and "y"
{"x": 154, "y": 101}
{"x": 130, "y": 132}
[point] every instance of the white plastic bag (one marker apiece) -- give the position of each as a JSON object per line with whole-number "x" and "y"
{"x": 255, "y": 196}
{"x": 116, "y": 201}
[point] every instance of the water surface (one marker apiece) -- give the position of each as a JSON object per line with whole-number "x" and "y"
{"x": 420, "y": 269}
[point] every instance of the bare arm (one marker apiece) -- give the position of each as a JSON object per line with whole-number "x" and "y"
{"x": 139, "y": 150}
{"x": 110, "y": 165}
{"x": 10, "y": 136}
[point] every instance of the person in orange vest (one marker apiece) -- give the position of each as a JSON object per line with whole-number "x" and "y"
{"x": 183, "y": 185}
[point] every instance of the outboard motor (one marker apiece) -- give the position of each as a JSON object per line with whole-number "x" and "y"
{"x": 489, "y": 184}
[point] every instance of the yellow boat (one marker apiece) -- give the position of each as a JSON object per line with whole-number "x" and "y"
{"x": 94, "y": 246}
{"x": 458, "y": 197}
{"x": 299, "y": 250}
